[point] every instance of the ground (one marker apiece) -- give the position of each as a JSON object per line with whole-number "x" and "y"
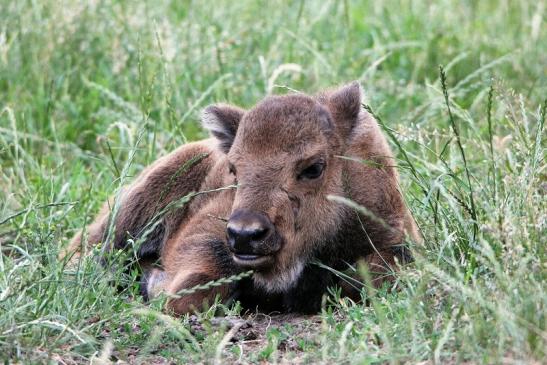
{"x": 93, "y": 91}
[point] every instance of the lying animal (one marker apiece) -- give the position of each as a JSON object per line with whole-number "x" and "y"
{"x": 291, "y": 157}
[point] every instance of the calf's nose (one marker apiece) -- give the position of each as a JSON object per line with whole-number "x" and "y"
{"x": 247, "y": 231}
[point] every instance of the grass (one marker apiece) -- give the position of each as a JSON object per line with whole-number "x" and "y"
{"x": 91, "y": 92}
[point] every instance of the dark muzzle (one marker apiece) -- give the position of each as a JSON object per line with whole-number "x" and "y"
{"x": 252, "y": 238}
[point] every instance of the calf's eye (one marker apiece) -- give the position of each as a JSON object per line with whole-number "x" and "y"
{"x": 313, "y": 171}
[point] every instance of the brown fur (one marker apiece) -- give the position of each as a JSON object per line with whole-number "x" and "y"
{"x": 284, "y": 133}
{"x": 183, "y": 240}
{"x": 267, "y": 147}
{"x": 196, "y": 255}
{"x": 158, "y": 185}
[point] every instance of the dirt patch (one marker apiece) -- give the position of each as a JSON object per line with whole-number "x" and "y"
{"x": 253, "y": 328}
{"x": 254, "y": 333}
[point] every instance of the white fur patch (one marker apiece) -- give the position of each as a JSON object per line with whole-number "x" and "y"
{"x": 281, "y": 282}
{"x": 155, "y": 283}
{"x": 211, "y": 122}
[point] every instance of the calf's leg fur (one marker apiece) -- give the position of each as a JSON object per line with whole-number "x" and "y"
{"x": 168, "y": 179}
{"x": 195, "y": 255}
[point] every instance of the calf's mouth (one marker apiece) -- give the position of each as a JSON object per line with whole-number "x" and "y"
{"x": 254, "y": 262}
{"x": 262, "y": 258}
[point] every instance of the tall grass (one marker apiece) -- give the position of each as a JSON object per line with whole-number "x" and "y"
{"x": 91, "y": 92}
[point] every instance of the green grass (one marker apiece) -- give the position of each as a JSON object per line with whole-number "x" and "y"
{"x": 89, "y": 91}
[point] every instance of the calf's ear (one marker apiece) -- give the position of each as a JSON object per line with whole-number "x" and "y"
{"x": 345, "y": 105}
{"x": 222, "y": 121}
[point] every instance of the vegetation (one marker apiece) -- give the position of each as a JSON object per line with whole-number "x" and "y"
{"x": 91, "y": 92}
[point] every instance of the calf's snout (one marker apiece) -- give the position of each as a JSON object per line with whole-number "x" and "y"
{"x": 249, "y": 233}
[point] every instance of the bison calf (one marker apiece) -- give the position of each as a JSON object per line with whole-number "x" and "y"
{"x": 290, "y": 157}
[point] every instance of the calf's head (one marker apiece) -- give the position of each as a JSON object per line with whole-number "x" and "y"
{"x": 283, "y": 155}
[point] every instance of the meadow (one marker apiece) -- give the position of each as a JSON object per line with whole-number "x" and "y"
{"x": 93, "y": 91}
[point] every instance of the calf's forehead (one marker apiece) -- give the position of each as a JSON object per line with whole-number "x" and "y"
{"x": 282, "y": 124}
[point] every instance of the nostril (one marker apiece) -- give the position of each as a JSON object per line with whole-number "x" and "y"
{"x": 259, "y": 234}
{"x": 232, "y": 233}
{"x": 245, "y": 234}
